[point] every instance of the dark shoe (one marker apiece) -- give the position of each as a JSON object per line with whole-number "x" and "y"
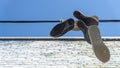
{"x": 61, "y": 28}
{"x": 83, "y": 27}
{"x": 88, "y": 20}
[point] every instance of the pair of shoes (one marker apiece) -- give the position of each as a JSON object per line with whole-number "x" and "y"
{"x": 82, "y": 23}
{"x": 88, "y": 25}
{"x": 92, "y": 35}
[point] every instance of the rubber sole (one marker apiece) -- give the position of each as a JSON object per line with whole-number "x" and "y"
{"x": 100, "y": 49}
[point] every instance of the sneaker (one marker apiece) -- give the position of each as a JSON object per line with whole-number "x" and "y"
{"x": 62, "y": 28}
{"x": 87, "y": 20}
{"x": 83, "y": 27}
{"x": 100, "y": 49}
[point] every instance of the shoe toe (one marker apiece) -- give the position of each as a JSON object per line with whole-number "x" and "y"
{"x": 78, "y": 14}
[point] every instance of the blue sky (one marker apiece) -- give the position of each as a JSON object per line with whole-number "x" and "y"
{"x": 55, "y": 10}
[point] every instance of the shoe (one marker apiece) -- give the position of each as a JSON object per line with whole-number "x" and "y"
{"x": 100, "y": 49}
{"x": 61, "y": 28}
{"x": 88, "y": 20}
{"x": 83, "y": 27}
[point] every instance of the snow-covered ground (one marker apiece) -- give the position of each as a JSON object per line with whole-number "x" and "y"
{"x": 55, "y": 54}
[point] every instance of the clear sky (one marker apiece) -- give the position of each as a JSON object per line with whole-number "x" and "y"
{"x": 55, "y": 10}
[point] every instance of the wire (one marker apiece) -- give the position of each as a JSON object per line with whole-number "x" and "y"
{"x": 45, "y": 21}
{"x": 109, "y": 20}
{"x": 29, "y": 21}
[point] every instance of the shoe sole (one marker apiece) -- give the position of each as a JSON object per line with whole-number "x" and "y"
{"x": 100, "y": 49}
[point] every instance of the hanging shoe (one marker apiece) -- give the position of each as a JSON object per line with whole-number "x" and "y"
{"x": 87, "y": 21}
{"x": 101, "y": 50}
{"x": 83, "y": 27}
{"x": 62, "y": 28}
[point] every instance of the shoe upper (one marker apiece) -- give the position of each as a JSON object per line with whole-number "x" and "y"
{"x": 61, "y": 28}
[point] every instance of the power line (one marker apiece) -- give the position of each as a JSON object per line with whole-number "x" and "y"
{"x": 109, "y": 20}
{"x": 45, "y": 21}
{"x": 29, "y": 21}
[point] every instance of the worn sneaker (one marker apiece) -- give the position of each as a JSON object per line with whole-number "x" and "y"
{"x": 83, "y": 27}
{"x": 85, "y": 21}
{"x": 61, "y": 28}
{"x": 100, "y": 49}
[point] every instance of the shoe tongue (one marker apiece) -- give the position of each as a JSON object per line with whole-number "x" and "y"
{"x": 76, "y": 28}
{"x": 96, "y": 18}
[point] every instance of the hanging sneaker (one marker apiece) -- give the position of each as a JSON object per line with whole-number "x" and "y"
{"x": 83, "y": 27}
{"x": 100, "y": 49}
{"x": 62, "y": 28}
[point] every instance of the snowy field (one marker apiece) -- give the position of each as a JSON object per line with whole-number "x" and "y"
{"x": 55, "y": 54}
